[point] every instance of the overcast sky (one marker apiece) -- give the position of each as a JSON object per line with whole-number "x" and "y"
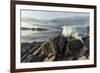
{"x": 48, "y": 15}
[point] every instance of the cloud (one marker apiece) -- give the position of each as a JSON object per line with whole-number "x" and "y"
{"x": 48, "y": 15}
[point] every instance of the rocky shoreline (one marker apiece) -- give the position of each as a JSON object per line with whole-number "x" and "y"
{"x": 27, "y": 49}
{"x": 57, "y": 48}
{"x": 30, "y": 51}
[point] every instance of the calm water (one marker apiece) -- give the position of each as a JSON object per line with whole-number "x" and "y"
{"x": 31, "y": 36}
{"x": 53, "y": 30}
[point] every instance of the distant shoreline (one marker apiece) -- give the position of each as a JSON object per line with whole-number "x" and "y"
{"x": 34, "y": 29}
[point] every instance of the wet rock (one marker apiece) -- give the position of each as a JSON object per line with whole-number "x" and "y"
{"x": 57, "y": 48}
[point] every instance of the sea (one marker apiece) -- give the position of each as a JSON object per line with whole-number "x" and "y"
{"x": 53, "y": 29}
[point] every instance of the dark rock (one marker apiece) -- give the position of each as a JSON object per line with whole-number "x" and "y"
{"x": 57, "y": 48}
{"x": 27, "y": 49}
{"x": 86, "y": 39}
{"x": 39, "y": 29}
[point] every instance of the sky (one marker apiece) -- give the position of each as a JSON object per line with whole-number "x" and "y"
{"x": 49, "y": 15}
